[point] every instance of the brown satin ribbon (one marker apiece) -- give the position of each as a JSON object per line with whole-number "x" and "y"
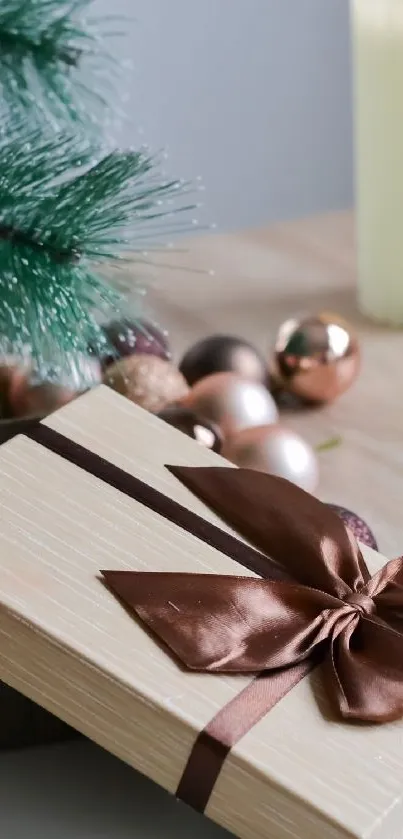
{"x": 156, "y": 501}
{"x": 317, "y": 600}
{"x": 333, "y": 610}
{"x": 238, "y": 717}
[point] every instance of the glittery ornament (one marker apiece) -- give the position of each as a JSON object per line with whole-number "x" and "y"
{"x": 223, "y": 354}
{"x": 147, "y": 380}
{"x": 276, "y": 450}
{"x": 231, "y": 402}
{"x": 127, "y": 337}
{"x": 357, "y": 525}
{"x": 315, "y": 358}
{"x": 198, "y": 428}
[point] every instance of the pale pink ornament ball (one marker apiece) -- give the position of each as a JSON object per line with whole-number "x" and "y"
{"x": 276, "y": 450}
{"x": 231, "y": 402}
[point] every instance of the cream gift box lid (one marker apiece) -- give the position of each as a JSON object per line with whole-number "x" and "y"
{"x": 66, "y": 642}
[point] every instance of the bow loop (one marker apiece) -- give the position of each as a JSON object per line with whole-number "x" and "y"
{"x": 386, "y": 588}
{"x": 283, "y": 521}
{"x": 217, "y": 623}
{"x": 364, "y": 672}
{"x": 227, "y": 624}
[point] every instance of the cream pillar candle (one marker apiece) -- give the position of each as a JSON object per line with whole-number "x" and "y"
{"x": 378, "y": 59}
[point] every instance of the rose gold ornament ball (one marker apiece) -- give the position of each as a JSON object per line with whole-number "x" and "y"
{"x": 147, "y": 380}
{"x": 40, "y": 400}
{"x": 231, "y": 402}
{"x": 276, "y": 450}
{"x": 27, "y": 399}
{"x": 316, "y": 358}
{"x": 11, "y": 376}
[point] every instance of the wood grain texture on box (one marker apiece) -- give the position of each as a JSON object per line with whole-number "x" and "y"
{"x": 66, "y": 643}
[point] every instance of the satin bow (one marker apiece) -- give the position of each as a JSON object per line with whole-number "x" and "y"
{"x": 327, "y": 603}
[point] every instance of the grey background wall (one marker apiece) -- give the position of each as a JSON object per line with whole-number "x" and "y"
{"x": 254, "y": 95}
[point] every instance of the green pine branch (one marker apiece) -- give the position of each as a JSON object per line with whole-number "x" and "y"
{"x": 62, "y": 211}
{"x": 48, "y": 58}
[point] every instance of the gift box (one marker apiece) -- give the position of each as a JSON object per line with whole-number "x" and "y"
{"x": 158, "y": 666}
{"x": 24, "y": 722}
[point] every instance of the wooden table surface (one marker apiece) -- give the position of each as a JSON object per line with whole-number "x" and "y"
{"x": 260, "y": 278}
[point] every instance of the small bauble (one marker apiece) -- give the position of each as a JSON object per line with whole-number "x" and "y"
{"x": 275, "y": 450}
{"x": 29, "y": 397}
{"x": 357, "y": 525}
{"x": 231, "y": 402}
{"x": 147, "y": 380}
{"x": 198, "y": 428}
{"x": 223, "y": 354}
{"x": 40, "y": 400}
{"x": 316, "y": 358}
{"x": 139, "y": 337}
{"x": 12, "y": 375}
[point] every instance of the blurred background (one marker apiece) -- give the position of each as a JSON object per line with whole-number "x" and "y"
{"x": 253, "y": 95}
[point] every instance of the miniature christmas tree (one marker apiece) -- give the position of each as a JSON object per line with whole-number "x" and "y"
{"x": 53, "y": 59}
{"x": 66, "y": 204}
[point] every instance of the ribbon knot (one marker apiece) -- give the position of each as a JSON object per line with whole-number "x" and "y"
{"x": 362, "y": 602}
{"x": 297, "y": 613}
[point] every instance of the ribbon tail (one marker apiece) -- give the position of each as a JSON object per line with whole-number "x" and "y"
{"x": 227, "y": 728}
